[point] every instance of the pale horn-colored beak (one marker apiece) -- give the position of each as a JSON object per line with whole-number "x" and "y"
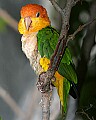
{"x": 28, "y": 22}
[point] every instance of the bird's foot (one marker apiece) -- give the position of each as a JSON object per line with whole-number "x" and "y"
{"x": 44, "y": 83}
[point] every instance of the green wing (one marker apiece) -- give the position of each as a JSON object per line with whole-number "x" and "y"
{"x": 47, "y": 41}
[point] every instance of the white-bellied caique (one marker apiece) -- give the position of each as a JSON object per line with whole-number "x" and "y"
{"x": 39, "y": 41}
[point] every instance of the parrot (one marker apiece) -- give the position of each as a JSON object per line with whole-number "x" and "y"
{"x": 39, "y": 40}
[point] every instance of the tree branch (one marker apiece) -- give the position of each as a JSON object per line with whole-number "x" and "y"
{"x": 88, "y": 43}
{"x": 57, "y": 56}
{"x": 13, "y": 105}
{"x": 56, "y": 6}
{"x": 84, "y": 113}
{"x": 44, "y": 82}
{"x": 44, "y": 78}
{"x": 8, "y": 19}
{"x": 80, "y": 28}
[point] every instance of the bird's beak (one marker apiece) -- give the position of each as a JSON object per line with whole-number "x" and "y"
{"x": 27, "y": 22}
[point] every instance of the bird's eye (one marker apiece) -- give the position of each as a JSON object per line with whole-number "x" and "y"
{"x": 37, "y": 14}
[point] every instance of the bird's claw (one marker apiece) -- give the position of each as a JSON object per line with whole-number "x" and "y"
{"x": 43, "y": 88}
{"x": 43, "y": 85}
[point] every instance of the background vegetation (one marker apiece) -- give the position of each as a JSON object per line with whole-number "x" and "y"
{"x": 17, "y": 79}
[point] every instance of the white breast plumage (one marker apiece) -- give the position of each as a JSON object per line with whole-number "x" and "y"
{"x": 29, "y": 47}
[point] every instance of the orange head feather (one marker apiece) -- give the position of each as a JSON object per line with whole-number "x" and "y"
{"x": 32, "y": 9}
{"x": 33, "y": 18}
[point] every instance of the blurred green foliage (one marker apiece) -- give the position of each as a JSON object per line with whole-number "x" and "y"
{"x": 87, "y": 99}
{"x": 0, "y": 118}
{"x": 75, "y": 22}
{"x": 2, "y": 25}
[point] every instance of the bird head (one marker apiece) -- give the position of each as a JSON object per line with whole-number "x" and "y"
{"x": 33, "y": 18}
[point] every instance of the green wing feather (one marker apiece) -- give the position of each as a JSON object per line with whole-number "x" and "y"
{"x": 47, "y": 41}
